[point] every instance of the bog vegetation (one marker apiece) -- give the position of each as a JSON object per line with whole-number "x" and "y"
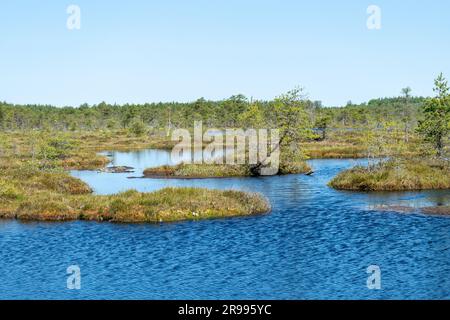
{"x": 429, "y": 169}
{"x": 40, "y": 189}
{"x": 405, "y": 140}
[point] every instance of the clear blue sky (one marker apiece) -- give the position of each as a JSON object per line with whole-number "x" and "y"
{"x": 148, "y": 51}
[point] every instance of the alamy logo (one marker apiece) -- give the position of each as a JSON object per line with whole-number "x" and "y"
{"x": 74, "y": 19}
{"x": 374, "y": 279}
{"x": 374, "y": 19}
{"x": 236, "y": 146}
{"x": 74, "y": 278}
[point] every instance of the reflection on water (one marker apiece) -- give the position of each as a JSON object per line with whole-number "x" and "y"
{"x": 316, "y": 243}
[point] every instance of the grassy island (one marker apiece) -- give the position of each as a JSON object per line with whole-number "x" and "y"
{"x": 166, "y": 205}
{"x": 198, "y": 171}
{"x": 396, "y": 175}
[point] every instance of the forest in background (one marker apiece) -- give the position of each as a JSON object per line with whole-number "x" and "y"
{"x": 229, "y": 113}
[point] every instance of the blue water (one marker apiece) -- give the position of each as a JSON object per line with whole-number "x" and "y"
{"x": 316, "y": 244}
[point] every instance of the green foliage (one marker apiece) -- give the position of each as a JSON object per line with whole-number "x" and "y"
{"x": 435, "y": 127}
{"x": 138, "y": 127}
{"x": 236, "y": 111}
{"x": 8, "y": 191}
{"x": 322, "y": 122}
{"x": 111, "y": 124}
{"x": 252, "y": 117}
{"x": 54, "y": 149}
{"x": 290, "y": 117}
{"x": 294, "y": 125}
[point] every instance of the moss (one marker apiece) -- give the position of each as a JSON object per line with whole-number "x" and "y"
{"x": 396, "y": 175}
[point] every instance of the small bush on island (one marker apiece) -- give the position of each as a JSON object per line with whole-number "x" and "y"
{"x": 396, "y": 175}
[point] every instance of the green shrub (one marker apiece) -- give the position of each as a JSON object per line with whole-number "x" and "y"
{"x": 9, "y": 191}
{"x": 138, "y": 128}
{"x": 55, "y": 148}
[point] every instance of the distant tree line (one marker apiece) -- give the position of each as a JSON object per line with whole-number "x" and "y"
{"x": 236, "y": 111}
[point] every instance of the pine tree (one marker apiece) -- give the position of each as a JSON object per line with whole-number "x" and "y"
{"x": 435, "y": 126}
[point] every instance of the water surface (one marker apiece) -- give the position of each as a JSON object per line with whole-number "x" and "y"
{"x": 316, "y": 244}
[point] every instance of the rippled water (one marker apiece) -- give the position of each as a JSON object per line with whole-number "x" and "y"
{"x": 316, "y": 243}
